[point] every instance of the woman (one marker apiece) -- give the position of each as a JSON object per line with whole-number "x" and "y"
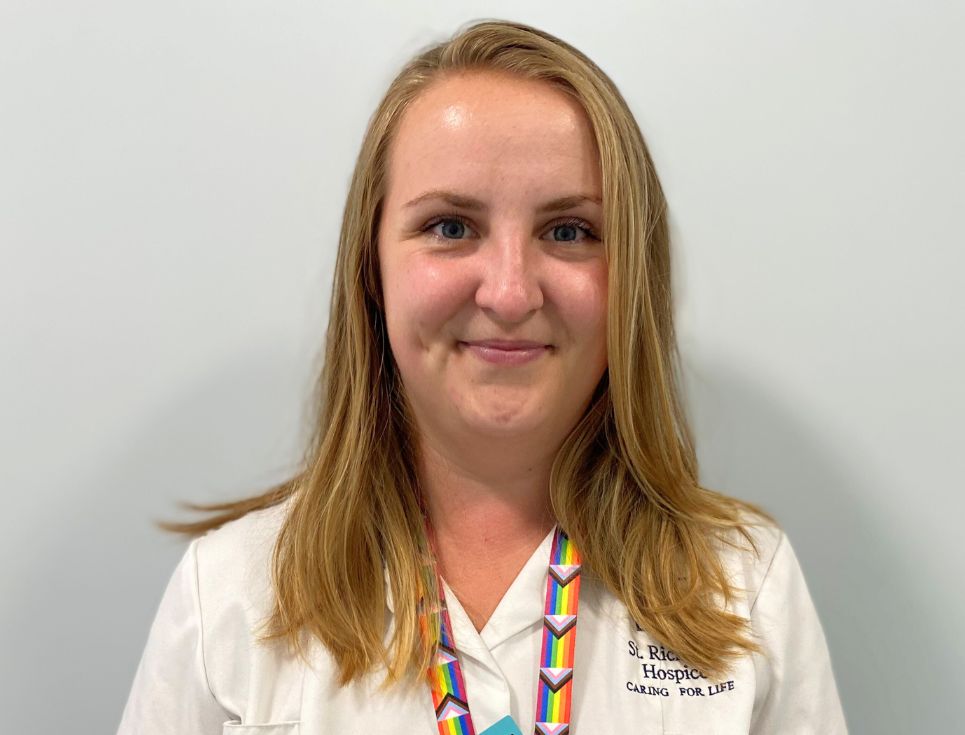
{"x": 499, "y": 526}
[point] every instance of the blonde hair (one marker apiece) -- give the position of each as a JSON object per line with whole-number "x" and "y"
{"x": 624, "y": 483}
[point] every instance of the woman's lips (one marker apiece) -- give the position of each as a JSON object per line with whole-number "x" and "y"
{"x": 506, "y": 352}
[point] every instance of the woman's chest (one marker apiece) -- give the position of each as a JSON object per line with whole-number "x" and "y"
{"x": 623, "y": 682}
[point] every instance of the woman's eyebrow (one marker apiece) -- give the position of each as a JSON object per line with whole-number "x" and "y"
{"x": 470, "y": 203}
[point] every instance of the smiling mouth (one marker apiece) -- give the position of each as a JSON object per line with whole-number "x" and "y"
{"x": 506, "y": 352}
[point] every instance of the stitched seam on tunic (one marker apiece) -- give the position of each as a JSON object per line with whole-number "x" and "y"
{"x": 197, "y": 586}
{"x": 770, "y": 565}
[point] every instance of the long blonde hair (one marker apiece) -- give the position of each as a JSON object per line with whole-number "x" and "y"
{"x": 624, "y": 484}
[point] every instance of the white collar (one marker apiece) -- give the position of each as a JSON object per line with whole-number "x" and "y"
{"x": 521, "y": 607}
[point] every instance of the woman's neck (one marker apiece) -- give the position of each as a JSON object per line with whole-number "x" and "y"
{"x": 486, "y": 506}
{"x": 486, "y": 523}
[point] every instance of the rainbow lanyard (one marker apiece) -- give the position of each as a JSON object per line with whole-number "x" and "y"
{"x": 554, "y": 693}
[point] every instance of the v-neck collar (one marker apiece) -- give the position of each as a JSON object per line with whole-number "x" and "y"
{"x": 521, "y": 606}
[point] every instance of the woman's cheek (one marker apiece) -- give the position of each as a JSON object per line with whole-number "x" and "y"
{"x": 580, "y": 294}
{"x": 438, "y": 293}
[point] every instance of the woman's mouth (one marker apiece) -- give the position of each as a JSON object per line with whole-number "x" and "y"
{"x": 506, "y": 352}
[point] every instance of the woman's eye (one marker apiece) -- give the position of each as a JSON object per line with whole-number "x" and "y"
{"x": 453, "y": 228}
{"x": 570, "y": 230}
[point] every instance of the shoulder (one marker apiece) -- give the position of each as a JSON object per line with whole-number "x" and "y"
{"x": 234, "y": 560}
{"x": 771, "y": 588}
{"x": 795, "y": 681}
{"x": 239, "y": 550}
{"x": 203, "y": 650}
{"x": 235, "y": 597}
{"x": 748, "y": 561}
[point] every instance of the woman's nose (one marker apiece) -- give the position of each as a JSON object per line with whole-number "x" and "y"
{"x": 509, "y": 286}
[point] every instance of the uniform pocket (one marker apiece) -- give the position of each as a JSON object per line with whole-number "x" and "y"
{"x": 269, "y": 728}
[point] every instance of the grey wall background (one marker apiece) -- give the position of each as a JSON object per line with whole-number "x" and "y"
{"x": 171, "y": 181}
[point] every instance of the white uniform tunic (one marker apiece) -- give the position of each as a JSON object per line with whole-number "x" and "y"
{"x": 203, "y": 673}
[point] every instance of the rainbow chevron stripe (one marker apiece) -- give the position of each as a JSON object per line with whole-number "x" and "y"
{"x": 554, "y": 693}
{"x": 448, "y": 686}
{"x": 555, "y": 688}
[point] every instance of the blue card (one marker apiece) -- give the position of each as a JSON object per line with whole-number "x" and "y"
{"x": 506, "y": 726}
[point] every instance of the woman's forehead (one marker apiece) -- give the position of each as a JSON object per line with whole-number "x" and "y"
{"x": 499, "y": 131}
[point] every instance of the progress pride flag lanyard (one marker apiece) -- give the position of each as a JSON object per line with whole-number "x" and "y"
{"x": 554, "y": 693}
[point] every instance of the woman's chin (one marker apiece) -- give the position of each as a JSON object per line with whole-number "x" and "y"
{"x": 501, "y": 410}
{"x": 502, "y": 423}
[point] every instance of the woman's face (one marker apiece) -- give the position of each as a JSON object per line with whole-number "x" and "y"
{"x": 476, "y": 245}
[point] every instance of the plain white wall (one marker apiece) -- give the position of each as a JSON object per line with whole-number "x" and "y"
{"x": 171, "y": 182}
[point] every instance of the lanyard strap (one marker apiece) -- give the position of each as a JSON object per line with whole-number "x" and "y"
{"x": 554, "y": 692}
